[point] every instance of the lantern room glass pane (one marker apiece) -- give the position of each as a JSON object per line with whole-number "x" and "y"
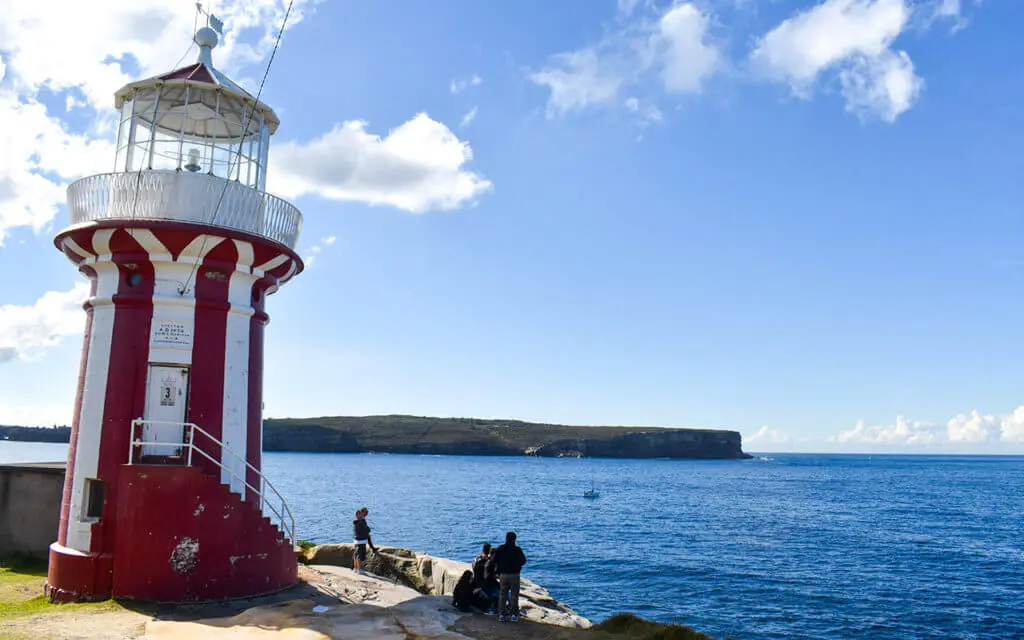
{"x": 193, "y": 128}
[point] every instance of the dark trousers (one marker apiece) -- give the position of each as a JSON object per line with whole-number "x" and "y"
{"x": 509, "y": 589}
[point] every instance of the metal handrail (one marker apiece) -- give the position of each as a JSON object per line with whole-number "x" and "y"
{"x": 191, "y": 445}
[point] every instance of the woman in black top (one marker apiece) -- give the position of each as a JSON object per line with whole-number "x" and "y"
{"x": 361, "y": 534}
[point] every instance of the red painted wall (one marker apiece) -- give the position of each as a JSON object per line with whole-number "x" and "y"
{"x": 183, "y": 536}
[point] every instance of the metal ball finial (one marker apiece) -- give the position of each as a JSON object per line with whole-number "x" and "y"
{"x": 207, "y": 37}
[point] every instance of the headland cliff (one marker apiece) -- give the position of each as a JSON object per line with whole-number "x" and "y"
{"x": 474, "y": 436}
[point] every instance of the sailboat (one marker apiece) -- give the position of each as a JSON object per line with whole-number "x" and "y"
{"x": 591, "y": 493}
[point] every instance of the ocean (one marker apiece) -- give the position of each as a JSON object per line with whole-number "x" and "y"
{"x": 784, "y": 546}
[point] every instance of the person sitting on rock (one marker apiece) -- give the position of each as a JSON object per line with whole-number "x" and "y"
{"x": 465, "y": 597}
{"x": 361, "y": 533}
{"x": 510, "y": 560}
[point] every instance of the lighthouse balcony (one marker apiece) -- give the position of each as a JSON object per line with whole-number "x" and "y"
{"x": 182, "y": 196}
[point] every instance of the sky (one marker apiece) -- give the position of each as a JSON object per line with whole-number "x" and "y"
{"x": 795, "y": 219}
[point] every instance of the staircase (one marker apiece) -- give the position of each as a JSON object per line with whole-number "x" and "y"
{"x": 183, "y": 453}
{"x": 183, "y": 535}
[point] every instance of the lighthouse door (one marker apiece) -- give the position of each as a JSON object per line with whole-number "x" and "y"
{"x": 166, "y": 398}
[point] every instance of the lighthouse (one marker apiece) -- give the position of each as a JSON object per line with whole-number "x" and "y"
{"x": 165, "y": 497}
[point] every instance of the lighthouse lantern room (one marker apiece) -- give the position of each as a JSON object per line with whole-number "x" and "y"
{"x": 164, "y": 497}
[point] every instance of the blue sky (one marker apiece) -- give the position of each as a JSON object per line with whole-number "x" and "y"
{"x": 800, "y": 220}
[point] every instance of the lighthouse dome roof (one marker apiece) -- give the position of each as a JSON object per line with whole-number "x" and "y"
{"x": 207, "y": 87}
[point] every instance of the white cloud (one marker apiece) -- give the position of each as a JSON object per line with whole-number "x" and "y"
{"x": 971, "y": 429}
{"x": 28, "y": 330}
{"x": 1012, "y": 425}
{"x": 34, "y": 142}
{"x": 458, "y": 85}
{"x": 469, "y": 117}
{"x": 884, "y": 85}
{"x": 853, "y": 36}
{"x": 645, "y": 112}
{"x": 626, "y": 6}
{"x": 418, "y": 166}
{"x": 948, "y": 9}
{"x": 329, "y": 240}
{"x": 578, "y": 80}
{"x": 903, "y": 432}
{"x": 688, "y": 58}
{"x": 768, "y": 436}
{"x": 673, "y": 53}
{"x": 974, "y": 428}
{"x": 106, "y": 33}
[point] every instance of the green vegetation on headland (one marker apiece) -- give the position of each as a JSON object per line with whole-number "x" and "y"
{"x": 35, "y": 434}
{"x": 467, "y": 436}
{"x": 474, "y": 436}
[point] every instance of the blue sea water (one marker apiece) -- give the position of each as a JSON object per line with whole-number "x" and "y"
{"x": 784, "y": 546}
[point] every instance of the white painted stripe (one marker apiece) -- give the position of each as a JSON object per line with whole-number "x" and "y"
{"x": 292, "y": 268}
{"x": 200, "y": 246}
{"x": 272, "y": 264}
{"x": 152, "y": 244}
{"x": 101, "y": 242}
{"x": 75, "y": 247}
{"x": 94, "y": 398}
{"x": 235, "y": 417}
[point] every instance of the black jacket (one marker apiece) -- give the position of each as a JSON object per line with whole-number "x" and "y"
{"x": 510, "y": 558}
{"x": 360, "y": 529}
{"x": 479, "y": 570}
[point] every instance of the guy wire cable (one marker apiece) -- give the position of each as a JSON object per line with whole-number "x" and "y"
{"x": 245, "y": 127}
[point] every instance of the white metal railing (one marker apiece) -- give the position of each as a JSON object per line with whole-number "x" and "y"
{"x": 285, "y": 519}
{"x": 181, "y": 196}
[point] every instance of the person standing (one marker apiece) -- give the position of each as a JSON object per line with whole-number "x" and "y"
{"x": 480, "y": 566}
{"x": 510, "y": 560}
{"x": 361, "y": 534}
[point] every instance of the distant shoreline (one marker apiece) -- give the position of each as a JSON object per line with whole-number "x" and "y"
{"x": 468, "y": 436}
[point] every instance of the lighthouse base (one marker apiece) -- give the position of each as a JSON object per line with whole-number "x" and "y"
{"x": 74, "y": 576}
{"x": 181, "y": 536}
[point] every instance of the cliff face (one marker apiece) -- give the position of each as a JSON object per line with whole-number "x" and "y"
{"x": 651, "y": 444}
{"x": 461, "y": 436}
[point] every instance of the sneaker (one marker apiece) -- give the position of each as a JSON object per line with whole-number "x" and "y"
{"x": 515, "y": 617}
{"x": 502, "y": 618}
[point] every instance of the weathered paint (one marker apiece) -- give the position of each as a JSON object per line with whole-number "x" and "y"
{"x": 182, "y": 514}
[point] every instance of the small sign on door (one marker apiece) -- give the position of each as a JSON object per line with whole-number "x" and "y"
{"x": 168, "y": 392}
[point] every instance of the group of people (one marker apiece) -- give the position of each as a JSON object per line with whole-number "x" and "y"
{"x": 493, "y": 583}
{"x": 491, "y": 586}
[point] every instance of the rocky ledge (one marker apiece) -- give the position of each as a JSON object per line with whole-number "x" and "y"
{"x": 434, "y": 576}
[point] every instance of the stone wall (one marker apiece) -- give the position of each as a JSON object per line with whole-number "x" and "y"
{"x": 30, "y": 497}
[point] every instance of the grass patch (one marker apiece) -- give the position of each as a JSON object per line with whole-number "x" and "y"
{"x": 21, "y": 590}
{"x": 21, "y": 586}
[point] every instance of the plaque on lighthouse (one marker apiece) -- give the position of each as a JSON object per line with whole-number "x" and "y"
{"x": 171, "y": 333}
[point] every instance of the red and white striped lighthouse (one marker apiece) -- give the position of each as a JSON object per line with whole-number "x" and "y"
{"x": 164, "y": 497}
